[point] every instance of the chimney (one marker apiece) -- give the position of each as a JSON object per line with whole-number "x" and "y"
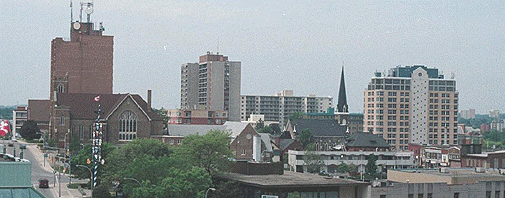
{"x": 148, "y": 100}
{"x": 257, "y": 148}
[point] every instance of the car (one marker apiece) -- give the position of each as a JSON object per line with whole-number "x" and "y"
{"x": 11, "y": 144}
{"x": 44, "y": 183}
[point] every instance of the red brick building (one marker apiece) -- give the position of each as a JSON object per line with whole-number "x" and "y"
{"x": 83, "y": 63}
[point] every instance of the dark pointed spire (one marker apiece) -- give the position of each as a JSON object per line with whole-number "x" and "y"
{"x": 342, "y": 97}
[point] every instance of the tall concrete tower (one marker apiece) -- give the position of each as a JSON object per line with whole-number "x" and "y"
{"x": 212, "y": 84}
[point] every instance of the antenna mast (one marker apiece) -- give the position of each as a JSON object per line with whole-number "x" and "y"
{"x": 71, "y": 13}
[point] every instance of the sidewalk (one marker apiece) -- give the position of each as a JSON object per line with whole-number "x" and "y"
{"x": 65, "y": 191}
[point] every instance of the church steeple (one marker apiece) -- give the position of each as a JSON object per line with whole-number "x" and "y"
{"x": 342, "y": 97}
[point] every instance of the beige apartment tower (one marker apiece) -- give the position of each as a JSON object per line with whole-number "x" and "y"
{"x": 412, "y": 104}
{"x": 212, "y": 84}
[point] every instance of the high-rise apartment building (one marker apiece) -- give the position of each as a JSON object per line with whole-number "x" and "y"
{"x": 412, "y": 104}
{"x": 83, "y": 63}
{"x": 467, "y": 113}
{"x": 212, "y": 84}
{"x": 280, "y": 106}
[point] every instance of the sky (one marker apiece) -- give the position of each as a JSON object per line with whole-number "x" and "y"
{"x": 283, "y": 45}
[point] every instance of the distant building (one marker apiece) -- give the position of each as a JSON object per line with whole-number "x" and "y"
{"x": 331, "y": 159}
{"x": 19, "y": 117}
{"x": 328, "y": 134}
{"x": 280, "y": 106}
{"x": 443, "y": 182}
{"x": 412, "y": 104}
{"x": 196, "y": 116}
{"x": 212, "y": 84}
{"x": 497, "y": 125}
{"x": 485, "y": 127}
{"x": 39, "y": 111}
{"x": 468, "y": 113}
{"x": 494, "y": 114}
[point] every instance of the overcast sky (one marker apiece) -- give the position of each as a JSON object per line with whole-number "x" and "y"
{"x": 295, "y": 45}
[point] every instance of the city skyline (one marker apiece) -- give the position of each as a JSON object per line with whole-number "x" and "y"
{"x": 296, "y": 46}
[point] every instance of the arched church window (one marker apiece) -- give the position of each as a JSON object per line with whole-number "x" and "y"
{"x": 127, "y": 126}
{"x": 60, "y": 88}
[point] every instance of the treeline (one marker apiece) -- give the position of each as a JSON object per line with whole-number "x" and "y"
{"x": 6, "y": 112}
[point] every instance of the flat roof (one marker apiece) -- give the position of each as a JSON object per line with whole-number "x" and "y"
{"x": 291, "y": 180}
{"x": 457, "y": 172}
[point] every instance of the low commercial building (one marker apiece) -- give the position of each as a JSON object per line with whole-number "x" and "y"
{"x": 299, "y": 185}
{"x": 443, "y": 182}
{"x": 16, "y": 177}
{"x": 331, "y": 159}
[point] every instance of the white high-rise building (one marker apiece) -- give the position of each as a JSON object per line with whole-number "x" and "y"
{"x": 212, "y": 84}
{"x": 412, "y": 104}
{"x": 280, "y": 106}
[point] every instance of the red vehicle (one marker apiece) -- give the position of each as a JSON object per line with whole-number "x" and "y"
{"x": 43, "y": 183}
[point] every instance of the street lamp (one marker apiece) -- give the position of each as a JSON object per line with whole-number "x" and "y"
{"x": 134, "y": 180}
{"x": 207, "y": 192}
{"x": 90, "y": 173}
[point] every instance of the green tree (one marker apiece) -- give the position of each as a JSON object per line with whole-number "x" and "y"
{"x": 84, "y": 155}
{"x": 267, "y": 129}
{"x": 101, "y": 191}
{"x": 227, "y": 189}
{"x": 260, "y": 124}
{"x": 163, "y": 113}
{"x": 342, "y": 168}
{"x": 306, "y": 138}
{"x": 210, "y": 151}
{"x": 276, "y": 129}
{"x": 296, "y": 115}
{"x": 75, "y": 143}
{"x": 30, "y": 130}
{"x": 371, "y": 166}
{"x": 312, "y": 162}
{"x": 184, "y": 183}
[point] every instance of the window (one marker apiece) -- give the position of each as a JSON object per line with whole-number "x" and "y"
{"x": 127, "y": 126}
{"x": 62, "y": 120}
{"x": 60, "y": 88}
{"x": 81, "y": 132}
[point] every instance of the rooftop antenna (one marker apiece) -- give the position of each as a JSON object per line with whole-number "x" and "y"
{"x": 217, "y": 46}
{"x": 89, "y": 10}
{"x": 80, "y": 12}
{"x": 71, "y": 13}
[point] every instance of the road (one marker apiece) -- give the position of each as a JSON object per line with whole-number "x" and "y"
{"x": 39, "y": 171}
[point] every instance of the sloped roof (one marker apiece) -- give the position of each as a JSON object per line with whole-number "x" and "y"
{"x": 83, "y": 106}
{"x": 265, "y": 137}
{"x": 235, "y": 127}
{"x": 185, "y": 130}
{"x": 284, "y": 143}
{"x": 364, "y": 139}
{"x": 319, "y": 127}
{"x": 38, "y": 110}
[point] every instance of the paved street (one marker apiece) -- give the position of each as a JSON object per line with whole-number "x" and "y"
{"x": 44, "y": 171}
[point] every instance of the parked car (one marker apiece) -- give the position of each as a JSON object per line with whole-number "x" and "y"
{"x": 44, "y": 183}
{"x": 11, "y": 144}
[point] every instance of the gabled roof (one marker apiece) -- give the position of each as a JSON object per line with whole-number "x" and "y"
{"x": 319, "y": 128}
{"x": 235, "y": 127}
{"x": 38, "y": 110}
{"x": 364, "y": 139}
{"x": 83, "y": 106}
{"x": 265, "y": 137}
{"x": 185, "y": 130}
{"x": 285, "y": 143}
